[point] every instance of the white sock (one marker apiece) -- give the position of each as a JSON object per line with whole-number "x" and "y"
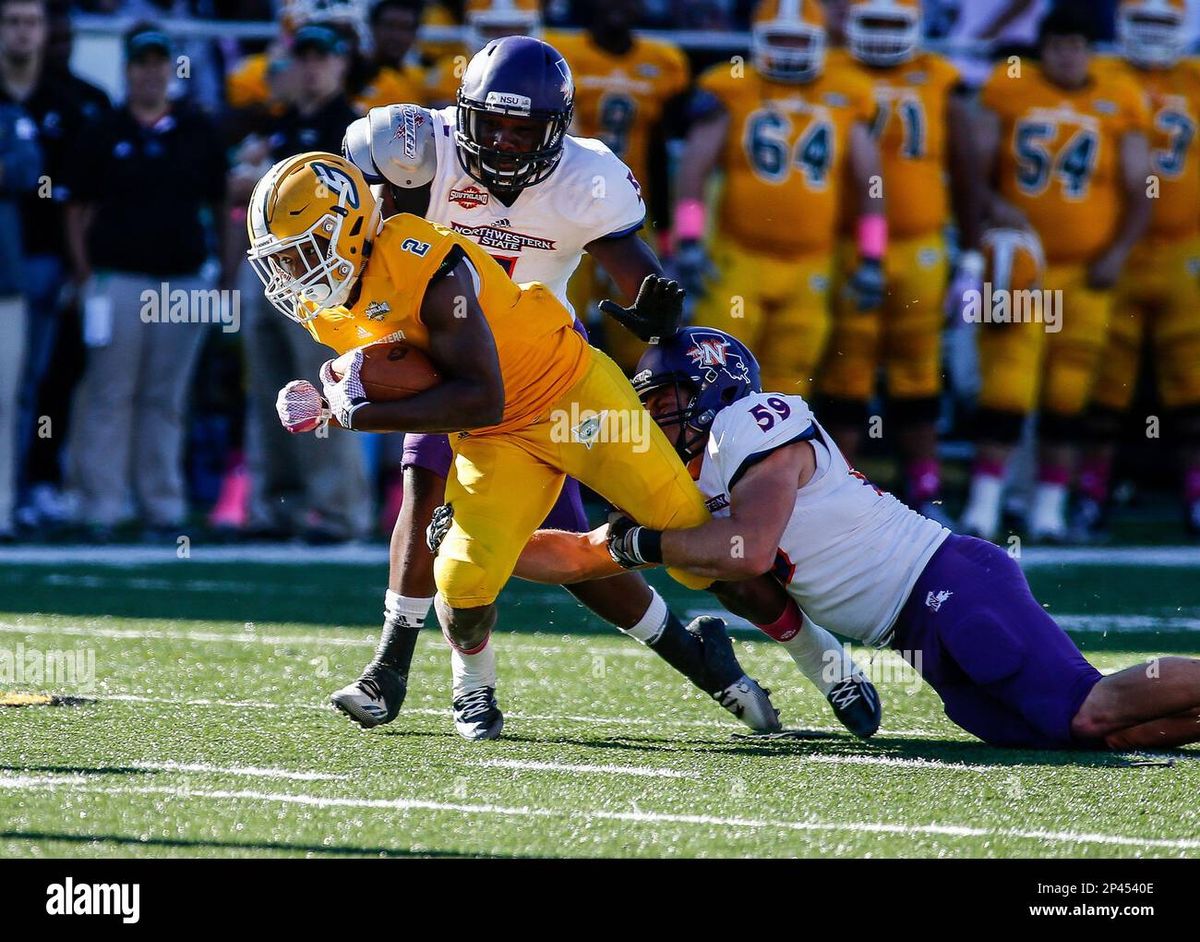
{"x": 472, "y": 671}
{"x": 982, "y": 513}
{"x": 1048, "y": 514}
{"x": 820, "y": 656}
{"x": 650, "y": 628}
{"x": 410, "y": 611}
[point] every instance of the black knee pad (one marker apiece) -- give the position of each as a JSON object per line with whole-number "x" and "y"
{"x": 999, "y": 426}
{"x": 836, "y": 411}
{"x": 1057, "y": 429}
{"x": 1184, "y": 425}
{"x": 1102, "y": 424}
{"x": 909, "y": 412}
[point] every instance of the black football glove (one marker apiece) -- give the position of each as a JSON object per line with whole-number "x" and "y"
{"x": 657, "y": 312}
{"x": 867, "y": 284}
{"x": 439, "y": 526}
{"x": 631, "y": 545}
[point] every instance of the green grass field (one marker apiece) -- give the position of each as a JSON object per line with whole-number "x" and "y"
{"x": 207, "y": 733}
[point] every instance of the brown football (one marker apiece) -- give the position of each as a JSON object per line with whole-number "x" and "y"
{"x": 391, "y": 370}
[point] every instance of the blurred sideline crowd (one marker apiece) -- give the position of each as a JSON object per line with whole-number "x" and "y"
{"x": 118, "y": 419}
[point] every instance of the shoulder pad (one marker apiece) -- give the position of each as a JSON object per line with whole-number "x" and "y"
{"x": 394, "y": 143}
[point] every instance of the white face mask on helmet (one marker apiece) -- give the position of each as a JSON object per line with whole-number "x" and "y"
{"x": 502, "y": 18}
{"x": 788, "y": 50}
{"x": 1150, "y": 33}
{"x": 883, "y": 32}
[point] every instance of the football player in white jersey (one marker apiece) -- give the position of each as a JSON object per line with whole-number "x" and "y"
{"x": 500, "y": 169}
{"x": 858, "y": 561}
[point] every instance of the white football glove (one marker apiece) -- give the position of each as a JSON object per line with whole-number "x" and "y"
{"x": 967, "y": 277}
{"x": 344, "y": 395}
{"x": 301, "y": 408}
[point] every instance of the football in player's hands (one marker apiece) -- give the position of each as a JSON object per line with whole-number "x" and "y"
{"x": 656, "y": 313}
{"x": 386, "y": 371}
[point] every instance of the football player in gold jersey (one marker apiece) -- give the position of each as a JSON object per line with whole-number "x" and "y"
{"x": 1158, "y": 296}
{"x": 623, "y": 83}
{"x": 261, "y": 81}
{"x": 790, "y": 135}
{"x": 484, "y": 20}
{"x": 923, "y": 133}
{"x": 525, "y": 399}
{"x": 1063, "y": 144}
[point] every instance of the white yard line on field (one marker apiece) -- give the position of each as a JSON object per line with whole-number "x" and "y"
{"x": 250, "y": 771}
{"x": 1183, "y": 556}
{"x": 638, "y": 817}
{"x": 894, "y": 762}
{"x": 643, "y": 771}
{"x": 716, "y": 724}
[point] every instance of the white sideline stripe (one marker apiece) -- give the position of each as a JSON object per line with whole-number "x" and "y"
{"x": 716, "y": 724}
{"x": 644, "y": 771}
{"x": 1182, "y": 556}
{"x": 252, "y": 771}
{"x": 647, "y": 817}
{"x": 316, "y": 638}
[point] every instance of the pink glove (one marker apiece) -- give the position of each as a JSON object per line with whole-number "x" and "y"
{"x": 301, "y": 407}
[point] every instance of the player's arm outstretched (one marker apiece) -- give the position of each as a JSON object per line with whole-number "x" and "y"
{"x": 701, "y": 156}
{"x": 740, "y": 546}
{"x": 460, "y": 344}
{"x": 867, "y": 283}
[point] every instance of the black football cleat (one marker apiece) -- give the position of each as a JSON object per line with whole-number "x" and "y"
{"x": 477, "y": 716}
{"x": 729, "y": 685}
{"x": 374, "y": 699}
{"x": 855, "y": 702}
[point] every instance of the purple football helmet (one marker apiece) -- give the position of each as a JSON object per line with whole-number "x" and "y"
{"x": 709, "y": 370}
{"x": 522, "y": 77}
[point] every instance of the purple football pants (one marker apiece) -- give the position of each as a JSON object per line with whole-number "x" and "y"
{"x": 1004, "y": 669}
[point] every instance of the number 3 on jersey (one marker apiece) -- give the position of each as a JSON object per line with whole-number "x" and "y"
{"x": 1073, "y": 163}
{"x": 767, "y": 143}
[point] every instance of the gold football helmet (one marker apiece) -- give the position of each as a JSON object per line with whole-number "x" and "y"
{"x": 787, "y": 40}
{"x": 883, "y": 32}
{"x": 311, "y": 221}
